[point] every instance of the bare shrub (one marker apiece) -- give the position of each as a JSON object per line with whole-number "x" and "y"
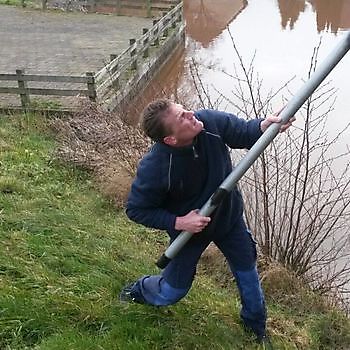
{"x": 102, "y": 142}
{"x": 297, "y": 194}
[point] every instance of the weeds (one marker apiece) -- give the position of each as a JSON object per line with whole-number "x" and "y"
{"x": 66, "y": 254}
{"x": 103, "y": 143}
{"x": 297, "y": 193}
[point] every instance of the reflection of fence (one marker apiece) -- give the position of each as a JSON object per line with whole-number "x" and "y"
{"x": 25, "y": 91}
{"x": 126, "y": 7}
{"x": 125, "y": 72}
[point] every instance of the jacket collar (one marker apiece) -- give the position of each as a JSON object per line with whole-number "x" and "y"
{"x": 162, "y": 147}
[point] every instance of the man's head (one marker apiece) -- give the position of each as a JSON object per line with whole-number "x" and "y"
{"x": 168, "y": 122}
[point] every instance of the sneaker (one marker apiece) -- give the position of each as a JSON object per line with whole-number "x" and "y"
{"x": 130, "y": 294}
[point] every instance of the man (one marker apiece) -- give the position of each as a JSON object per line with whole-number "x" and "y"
{"x": 187, "y": 163}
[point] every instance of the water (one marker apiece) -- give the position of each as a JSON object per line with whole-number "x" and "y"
{"x": 281, "y": 34}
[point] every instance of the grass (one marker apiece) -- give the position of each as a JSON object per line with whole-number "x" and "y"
{"x": 66, "y": 252}
{"x": 26, "y": 3}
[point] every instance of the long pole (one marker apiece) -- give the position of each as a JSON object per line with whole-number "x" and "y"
{"x": 287, "y": 113}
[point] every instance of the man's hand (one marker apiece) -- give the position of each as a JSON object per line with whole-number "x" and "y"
{"x": 192, "y": 222}
{"x": 274, "y": 118}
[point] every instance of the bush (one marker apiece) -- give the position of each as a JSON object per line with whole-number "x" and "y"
{"x": 103, "y": 143}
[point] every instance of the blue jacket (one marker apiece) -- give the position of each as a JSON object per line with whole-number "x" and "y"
{"x": 172, "y": 181}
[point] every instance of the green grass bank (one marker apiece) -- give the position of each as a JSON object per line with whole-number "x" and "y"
{"x": 66, "y": 252}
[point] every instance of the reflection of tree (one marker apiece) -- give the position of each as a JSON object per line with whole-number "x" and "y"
{"x": 206, "y": 19}
{"x": 290, "y": 10}
{"x": 331, "y": 15}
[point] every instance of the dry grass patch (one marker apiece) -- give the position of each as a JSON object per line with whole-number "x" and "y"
{"x": 103, "y": 143}
{"x": 114, "y": 181}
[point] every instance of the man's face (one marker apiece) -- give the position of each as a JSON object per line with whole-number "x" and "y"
{"x": 183, "y": 124}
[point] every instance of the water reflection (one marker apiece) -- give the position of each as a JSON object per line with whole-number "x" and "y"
{"x": 258, "y": 26}
{"x": 261, "y": 26}
{"x": 330, "y": 15}
{"x": 206, "y": 19}
{"x": 290, "y": 11}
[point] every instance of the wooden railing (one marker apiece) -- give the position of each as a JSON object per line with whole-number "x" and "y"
{"x": 25, "y": 91}
{"x": 122, "y": 68}
{"x": 113, "y": 80}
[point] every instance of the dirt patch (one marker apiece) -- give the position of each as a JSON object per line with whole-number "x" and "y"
{"x": 114, "y": 182}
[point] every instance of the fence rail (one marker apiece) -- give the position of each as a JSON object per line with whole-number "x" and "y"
{"x": 123, "y": 73}
{"x": 119, "y": 70}
{"x": 25, "y": 91}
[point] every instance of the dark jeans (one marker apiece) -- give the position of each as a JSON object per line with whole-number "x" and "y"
{"x": 238, "y": 247}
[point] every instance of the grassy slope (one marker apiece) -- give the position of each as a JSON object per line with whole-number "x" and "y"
{"x": 66, "y": 253}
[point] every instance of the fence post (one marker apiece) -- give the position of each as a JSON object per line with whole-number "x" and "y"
{"x": 145, "y": 42}
{"x": 179, "y": 17}
{"x": 166, "y": 22}
{"x": 119, "y": 5}
{"x": 156, "y": 32}
{"x": 91, "y": 86}
{"x": 173, "y": 19}
{"x": 115, "y": 82}
{"x": 112, "y": 57}
{"x": 23, "y": 90}
{"x": 92, "y": 5}
{"x": 149, "y": 8}
{"x": 132, "y": 54}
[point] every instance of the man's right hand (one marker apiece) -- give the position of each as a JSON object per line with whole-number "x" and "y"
{"x": 192, "y": 222}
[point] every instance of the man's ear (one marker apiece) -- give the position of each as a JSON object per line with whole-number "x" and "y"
{"x": 170, "y": 140}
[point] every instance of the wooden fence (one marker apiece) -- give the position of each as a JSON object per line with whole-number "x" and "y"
{"x": 122, "y": 69}
{"x": 25, "y": 91}
{"x": 122, "y": 76}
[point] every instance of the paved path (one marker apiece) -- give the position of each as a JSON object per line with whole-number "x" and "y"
{"x": 62, "y": 43}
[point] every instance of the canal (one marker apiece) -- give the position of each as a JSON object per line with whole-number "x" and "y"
{"x": 279, "y": 37}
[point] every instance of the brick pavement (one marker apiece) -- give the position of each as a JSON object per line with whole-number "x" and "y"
{"x": 61, "y": 43}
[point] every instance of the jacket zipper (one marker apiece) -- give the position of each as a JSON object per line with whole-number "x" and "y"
{"x": 195, "y": 154}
